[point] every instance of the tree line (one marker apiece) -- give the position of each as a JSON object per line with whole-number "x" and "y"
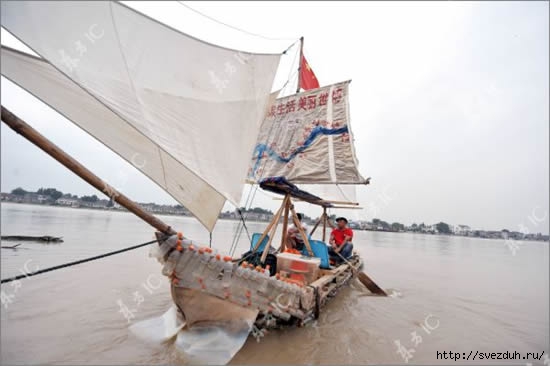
{"x": 55, "y": 194}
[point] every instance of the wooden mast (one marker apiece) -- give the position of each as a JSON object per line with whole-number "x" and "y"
{"x": 298, "y": 225}
{"x": 22, "y": 128}
{"x": 300, "y": 63}
{"x": 324, "y": 224}
{"x": 285, "y": 224}
{"x": 275, "y": 220}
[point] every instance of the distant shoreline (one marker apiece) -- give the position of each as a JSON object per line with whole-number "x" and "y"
{"x": 258, "y": 221}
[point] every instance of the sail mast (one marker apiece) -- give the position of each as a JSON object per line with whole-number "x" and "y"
{"x": 300, "y": 63}
{"x": 22, "y": 128}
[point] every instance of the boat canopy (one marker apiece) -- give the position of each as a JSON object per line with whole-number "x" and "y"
{"x": 282, "y": 186}
{"x": 184, "y": 112}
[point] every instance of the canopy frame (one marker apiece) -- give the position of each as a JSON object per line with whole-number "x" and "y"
{"x": 286, "y": 211}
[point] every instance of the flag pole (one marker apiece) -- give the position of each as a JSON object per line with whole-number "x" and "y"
{"x": 300, "y": 63}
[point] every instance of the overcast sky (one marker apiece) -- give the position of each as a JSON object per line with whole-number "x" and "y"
{"x": 449, "y": 105}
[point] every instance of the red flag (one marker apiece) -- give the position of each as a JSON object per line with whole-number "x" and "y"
{"x": 307, "y": 77}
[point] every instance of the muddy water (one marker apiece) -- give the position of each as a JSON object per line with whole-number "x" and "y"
{"x": 456, "y": 294}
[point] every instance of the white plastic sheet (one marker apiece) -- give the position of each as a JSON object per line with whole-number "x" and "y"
{"x": 213, "y": 344}
{"x": 185, "y": 112}
{"x": 159, "y": 329}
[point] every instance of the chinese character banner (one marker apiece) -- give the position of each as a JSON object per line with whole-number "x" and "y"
{"x": 306, "y": 138}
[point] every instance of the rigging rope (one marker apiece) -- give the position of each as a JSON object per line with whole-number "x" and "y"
{"x": 244, "y": 223}
{"x": 18, "y": 277}
{"x": 288, "y": 83}
{"x": 292, "y": 74}
{"x": 235, "y": 28}
{"x": 239, "y": 229}
{"x": 252, "y": 192}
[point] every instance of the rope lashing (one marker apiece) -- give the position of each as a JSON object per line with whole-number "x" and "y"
{"x": 18, "y": 277}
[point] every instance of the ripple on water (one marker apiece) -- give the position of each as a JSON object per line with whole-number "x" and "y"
{"x": 484, "y": 297}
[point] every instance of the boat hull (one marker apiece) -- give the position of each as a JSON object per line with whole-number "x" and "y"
{"x": 208, "y": 290}
{"x": 198, "y": 307}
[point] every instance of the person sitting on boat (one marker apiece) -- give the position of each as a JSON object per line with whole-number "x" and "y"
{"x": 294, "y": 238}
{"x": 340, "y": 240}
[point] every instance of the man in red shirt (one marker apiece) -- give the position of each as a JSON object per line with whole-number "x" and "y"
{"x": 340, "y": 240}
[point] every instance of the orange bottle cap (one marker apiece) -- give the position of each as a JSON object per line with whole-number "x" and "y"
{"x": 218, "y": 257}
{"x": 180, "y": 235}
{"x": 201, "y": 250}
{"x": 192, "y": 247}
{"x": 227, "y": 258}
{"x": 208, "y": 250}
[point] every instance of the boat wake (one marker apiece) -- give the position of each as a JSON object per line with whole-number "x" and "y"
{"x": 212, "y": 343}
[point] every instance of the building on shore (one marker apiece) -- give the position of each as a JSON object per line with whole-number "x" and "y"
{"x": 461, "y": 230}
{"x": 70, "y": 202}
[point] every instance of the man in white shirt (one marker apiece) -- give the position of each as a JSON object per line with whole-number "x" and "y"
{"x": 294, "y": 238}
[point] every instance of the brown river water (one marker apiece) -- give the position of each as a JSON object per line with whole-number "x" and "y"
{"x": 449, "y": 294}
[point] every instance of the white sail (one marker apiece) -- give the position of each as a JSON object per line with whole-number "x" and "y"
{"x": 185, "y": 112}
{"x": 307, "y": 139}
{"x": 335, "y": 192}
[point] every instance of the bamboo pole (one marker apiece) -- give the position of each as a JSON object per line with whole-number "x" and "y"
{"x": 316, "y": 224}
{"x": 324, "y": 224}
{"x": 272, "y": 234}
{"x": 342, "y": 202}
{"x": 348, "y": 207}
{"x": 285, "y": 224}
{"x": 22, "y": 128}
{"x": 300, "y": 64}
{"x": 322, "y": 202}
{"x": 268, "y": 228}
{"x": 301, "y": 230}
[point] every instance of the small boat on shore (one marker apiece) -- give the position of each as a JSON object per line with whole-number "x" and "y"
{"x": 44, "y": 238}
